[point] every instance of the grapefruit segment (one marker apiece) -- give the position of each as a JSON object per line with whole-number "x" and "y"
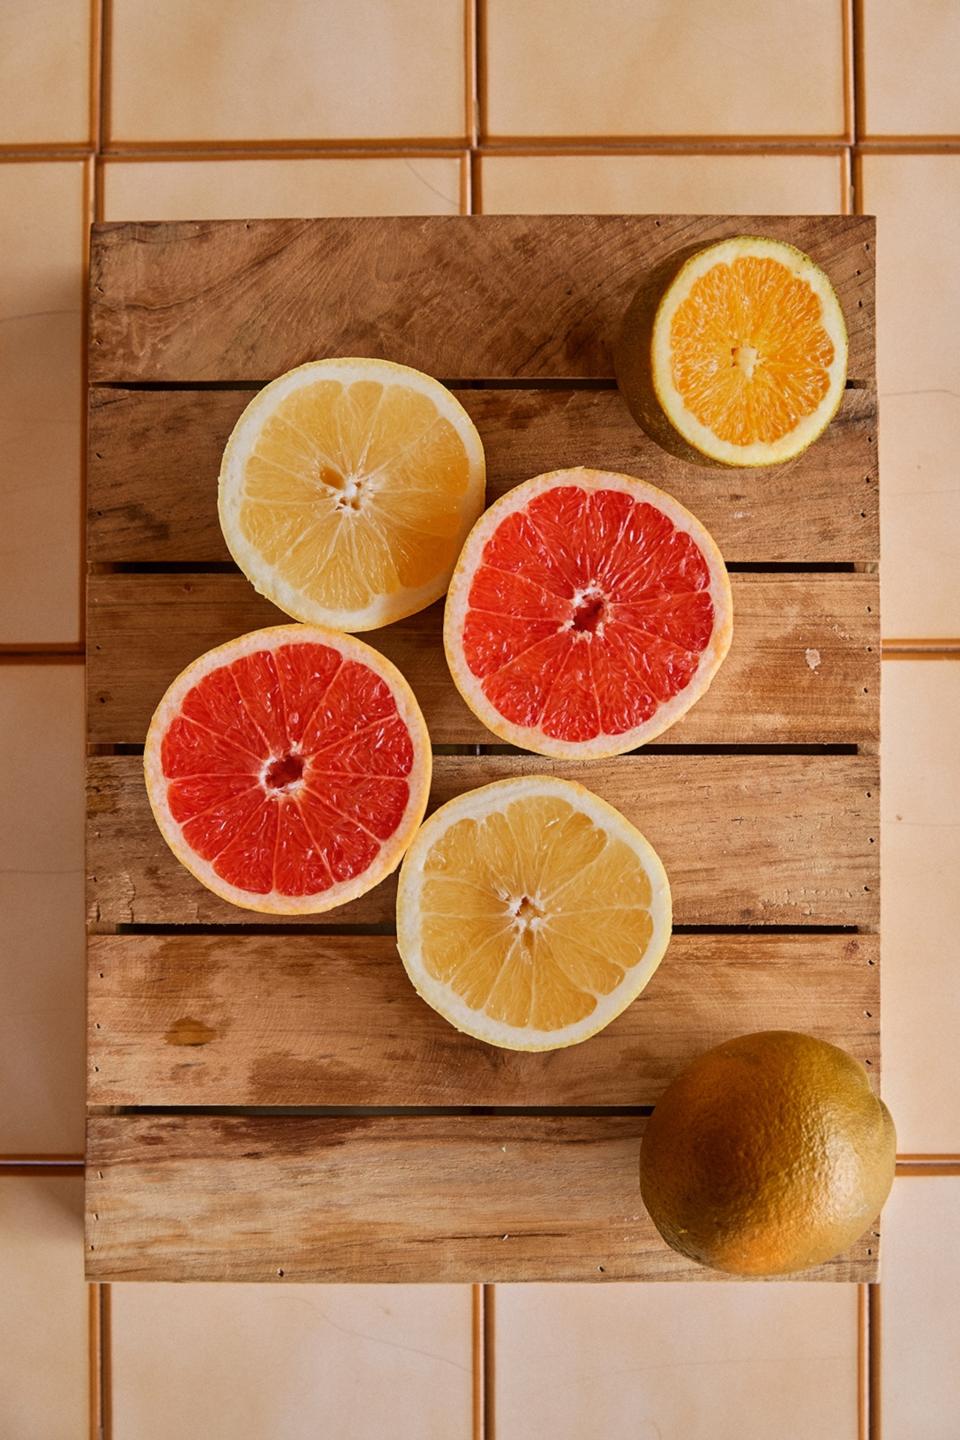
{"x": 530, "y": 913}
{"x": 288, "y": 769}
{"x": 588, "y": 612}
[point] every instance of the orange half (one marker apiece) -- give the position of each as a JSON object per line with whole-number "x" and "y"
{"x": 749, "y": 352}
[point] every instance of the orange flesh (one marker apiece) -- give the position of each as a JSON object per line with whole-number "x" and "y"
{"x": 750, "y": 355}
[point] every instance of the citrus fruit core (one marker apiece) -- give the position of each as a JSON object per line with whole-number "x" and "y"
{"x": 288, "y": 769}
{"x": 587, "y": 612}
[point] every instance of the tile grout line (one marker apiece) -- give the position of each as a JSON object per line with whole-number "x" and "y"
{"x": 874, "y": 1342}
{"x": 863, "y": 1351}
{"x": 93, "y": 1362}
{"x": 106, "y": 1362}
{"x": 476, "y": 1355}
{"x": 489, "y": 1363}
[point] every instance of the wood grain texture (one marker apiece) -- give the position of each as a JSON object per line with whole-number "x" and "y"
{"x": 472, "y": 297}
{"x": 746, "y": 839}
{"x": 154, "y": 458}
{"x": 453, "y": 1198}
{"x": 308, "y": 1020}
{"x": 804, "y": 666}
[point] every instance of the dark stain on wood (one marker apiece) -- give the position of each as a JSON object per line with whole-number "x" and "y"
{"x": 188, "y": 1031}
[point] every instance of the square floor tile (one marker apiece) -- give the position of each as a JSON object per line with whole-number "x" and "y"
{"x": 920, "y": 899}
{"x": 246, "y": 1362}
{"x": 650, "y": 68}
{"x": 921, "y": 1319}
{"x": 45, "y": 73}
{"x": 668, "y": 184}
{"x": 731, "y": 1361}
{"x": 910, "y": 64}
{"x": 43, "y": 1358}
{"x": 273, "y": 189}
{"x": 41, "y": 900}
{"x": 916, "y": 199}
{"x": 301, "y": 70}
{"x": 42, "y": 227}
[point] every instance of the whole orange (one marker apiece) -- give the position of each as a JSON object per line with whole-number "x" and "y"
{"x": 768, "y": 1154}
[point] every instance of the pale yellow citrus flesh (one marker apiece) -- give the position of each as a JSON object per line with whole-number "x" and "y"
{"x": 530, "y": 913}
{"x": 749, "y": 351}
{"x": 347, "y": 489}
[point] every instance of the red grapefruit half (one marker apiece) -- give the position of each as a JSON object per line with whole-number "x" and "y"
{"x": 288, "y": 770}
{"x": 587, "y": 613}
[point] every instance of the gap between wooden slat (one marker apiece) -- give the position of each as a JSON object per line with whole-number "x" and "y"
{"x": 328, "y": 931}
{"x": 227, "y": 567}
{"x": 485, "y": 751}
{"x": 334, "y": 1112}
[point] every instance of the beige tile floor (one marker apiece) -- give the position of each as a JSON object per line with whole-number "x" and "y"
{"x": 233, "y": 107}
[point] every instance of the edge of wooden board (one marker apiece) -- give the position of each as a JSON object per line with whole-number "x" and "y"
{"x": 759, "y": 839}
{"x": 308, "y": 1020}
{"x": 463, "y": 297}
{"x": 154, "y": 458}
{"x": 439, "y": 1199}
{"x": 803, "y": 668}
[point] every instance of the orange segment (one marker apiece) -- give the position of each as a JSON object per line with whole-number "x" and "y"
{"x": 749, "y": 351}
{"x": 530, "y": 913}
{"x": 346, "y": 491}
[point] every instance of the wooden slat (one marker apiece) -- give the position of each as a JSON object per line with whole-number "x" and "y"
{"x": 307, "y": 1020}
{"x": 452, "y": 1198}
{"x": 804, "y": 667}
{"x": 478, "y": 297}
{"x": 746, "y": 839}
{"x": 154, "y": 458}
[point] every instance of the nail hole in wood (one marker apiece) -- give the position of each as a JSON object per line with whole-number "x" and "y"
{"x": 602, "y": 1269}
{"x": 869, "y": 1014}
{"x": 279, "y": 1272}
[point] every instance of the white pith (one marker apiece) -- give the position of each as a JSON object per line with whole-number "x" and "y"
{"x": 530, "y": 737}
{"x": 391, "y": 850}
{"x": 267, "y": 578}
{"x": 442, "y": 997}
{"x": 682, "y": 419}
